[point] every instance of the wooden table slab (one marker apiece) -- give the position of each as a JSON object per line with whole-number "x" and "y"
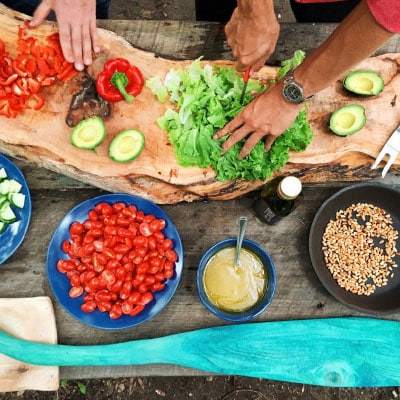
{"x": 299, "y": 293}
{"x": 42, "y": 137}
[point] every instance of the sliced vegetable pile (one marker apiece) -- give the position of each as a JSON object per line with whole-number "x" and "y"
{"x": 119, "y": 257}
{"x": 37, "y": 64}
{"x": 205, "y": 101}
{"x": 10, "y": 196}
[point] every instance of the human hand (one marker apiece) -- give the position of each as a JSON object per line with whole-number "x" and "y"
{"x": 77, "y": 28}
{"x": 252, "y": 33}
{"x": 269, "y": 114}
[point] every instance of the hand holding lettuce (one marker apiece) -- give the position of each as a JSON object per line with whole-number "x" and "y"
{"x": 205, "y": 100}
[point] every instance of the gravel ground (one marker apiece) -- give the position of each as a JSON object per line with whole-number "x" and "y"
{"x": 198, "y": 388}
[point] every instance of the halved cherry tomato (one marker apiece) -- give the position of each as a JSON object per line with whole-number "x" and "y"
{"x": 119, "y": 256}
{"x": 75, "y": 291}
{"x": 115, "y": 311}
{"x": 89, "y": 306}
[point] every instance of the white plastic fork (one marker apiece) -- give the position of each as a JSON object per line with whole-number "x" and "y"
{"x": 391, "y": 148}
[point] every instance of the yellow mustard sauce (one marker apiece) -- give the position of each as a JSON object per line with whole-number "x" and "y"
{"x": 234, "y": 288}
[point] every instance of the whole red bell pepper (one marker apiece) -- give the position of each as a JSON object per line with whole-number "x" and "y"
{"x": 119, "y": 80}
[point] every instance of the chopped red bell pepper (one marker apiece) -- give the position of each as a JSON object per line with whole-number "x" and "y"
{"x": 37, "y": 64}
{"x": 119, "y": 80}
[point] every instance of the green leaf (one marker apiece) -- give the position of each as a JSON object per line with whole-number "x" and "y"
{"x": 203, "y": 100}
{"x": 291, "y": 63}
{"x": 82, "y": 388}
{"x": 156, "y": 86}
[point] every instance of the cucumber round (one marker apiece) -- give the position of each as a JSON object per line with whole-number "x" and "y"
{"x": 126, "y": 145}
{"x": 88, "y": 133}
{"x": 347, "y": 120}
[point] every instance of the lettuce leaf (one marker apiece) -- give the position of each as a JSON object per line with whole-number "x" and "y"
{"x": 290, "y": 64}
{"x": 204, "y": 100}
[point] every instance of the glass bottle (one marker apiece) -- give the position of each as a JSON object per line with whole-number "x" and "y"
{"x": 278, "y": 198}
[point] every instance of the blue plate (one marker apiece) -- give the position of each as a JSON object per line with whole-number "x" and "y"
{"x": 60, "y": 283}
{"x": 15, "y": 233}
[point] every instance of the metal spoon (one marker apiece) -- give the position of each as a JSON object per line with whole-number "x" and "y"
{"x": 240, "y": 236}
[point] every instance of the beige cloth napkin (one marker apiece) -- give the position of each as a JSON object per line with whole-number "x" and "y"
{"x": 31, "y": 319}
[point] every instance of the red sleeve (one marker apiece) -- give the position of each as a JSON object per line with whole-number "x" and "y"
{"x": 386, "y": 13}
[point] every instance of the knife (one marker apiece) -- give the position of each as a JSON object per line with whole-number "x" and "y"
{"x": 246, "y": 77}
{"x": 340, "y": 352}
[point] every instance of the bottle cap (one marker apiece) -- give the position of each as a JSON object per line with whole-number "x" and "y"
{"x": 290, "y": 187}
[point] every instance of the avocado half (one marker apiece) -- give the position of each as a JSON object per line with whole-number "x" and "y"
{"x": 126, "y": 145}
{"x": 363, "y": 82}
{"x": 88, "y": 133}
{"x": 347, "y": 120}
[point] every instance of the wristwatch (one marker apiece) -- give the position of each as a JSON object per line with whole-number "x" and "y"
{"x": 292, "y": 90}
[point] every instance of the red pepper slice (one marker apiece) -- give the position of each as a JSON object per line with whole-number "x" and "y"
{"x": 37, "y": 64}
{"x": 39, "y": 101}
{"x": 9, "y": 80}
{"x": 119, "y": 80}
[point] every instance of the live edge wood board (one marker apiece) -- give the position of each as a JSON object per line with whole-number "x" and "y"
{"x": 42, "y": 137}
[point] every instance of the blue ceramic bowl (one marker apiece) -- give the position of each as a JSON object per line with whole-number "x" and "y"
{"x": 60, "y": 283}
{"x": 262, "y": 303}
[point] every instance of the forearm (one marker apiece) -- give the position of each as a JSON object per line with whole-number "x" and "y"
{"x": 355, "y": 39}
{"x": 255, "y": 8}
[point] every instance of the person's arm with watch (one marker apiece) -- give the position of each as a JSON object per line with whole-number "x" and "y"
{"x": 273, "y": 111}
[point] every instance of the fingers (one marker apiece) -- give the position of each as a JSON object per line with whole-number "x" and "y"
{"x": 77, "y": 43}
{"x": 269, "y": 141}
{"x": 239, "y": 131}
{"x": 40, "y": 14}
{"x": 66, "y": 40}
{"x": 236, "y": 137}
{"x": 228, "y": 128}
{"x": 94, "y": 37}
{"x": 77, "y": 29}
{"x": 253, "y": 138}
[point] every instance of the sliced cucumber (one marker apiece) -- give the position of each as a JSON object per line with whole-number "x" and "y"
{"x": 7, "y": 215}
{"x": 9, "y": 186}
{"x": 88, "y": 133}
{"x": 126, "y": 145}
{"x": 10, "y": 196}
{"x": 3, "y": 200}
{"x": 3, "y": 174}
{"x": 5, "y": 187}
{"x": 17, "y": 199}
{"x": 15, "y": 186}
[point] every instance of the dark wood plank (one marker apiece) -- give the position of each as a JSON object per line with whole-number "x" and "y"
{"x": 187, "y": 40}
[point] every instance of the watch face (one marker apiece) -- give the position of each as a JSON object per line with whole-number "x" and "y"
{"x": 293, "y": 93}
